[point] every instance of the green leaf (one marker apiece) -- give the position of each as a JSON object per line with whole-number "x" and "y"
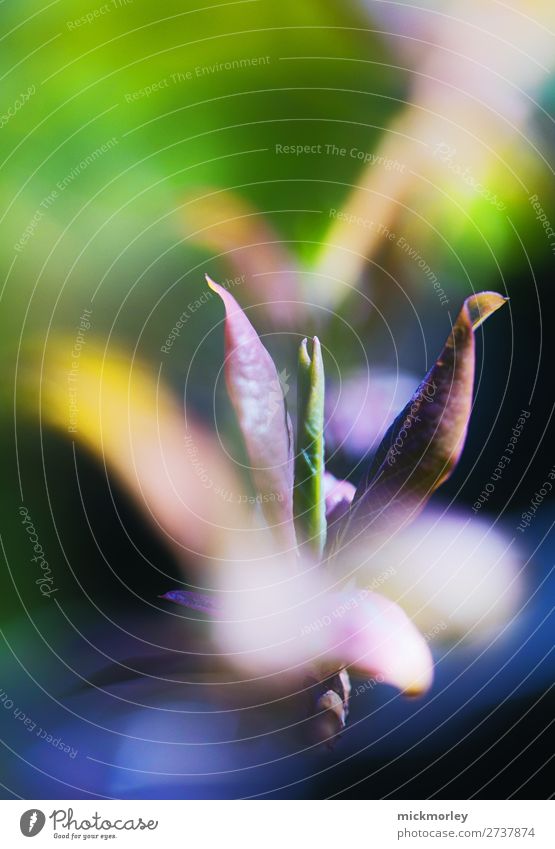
{"x": 309, "y": 496}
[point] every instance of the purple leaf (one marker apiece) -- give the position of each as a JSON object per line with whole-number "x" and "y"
{"x": 257, "y": 396}
{"x": 422, "y": 446}
{"x": 339, "y": 495}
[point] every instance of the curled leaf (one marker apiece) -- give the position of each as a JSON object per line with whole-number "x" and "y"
{"x": 422, "y": 446}
{"x": 257, "y": 396}
{"x": 309, "y": 497}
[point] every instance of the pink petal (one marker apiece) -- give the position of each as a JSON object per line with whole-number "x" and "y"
{"x": 338, "y": 493}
